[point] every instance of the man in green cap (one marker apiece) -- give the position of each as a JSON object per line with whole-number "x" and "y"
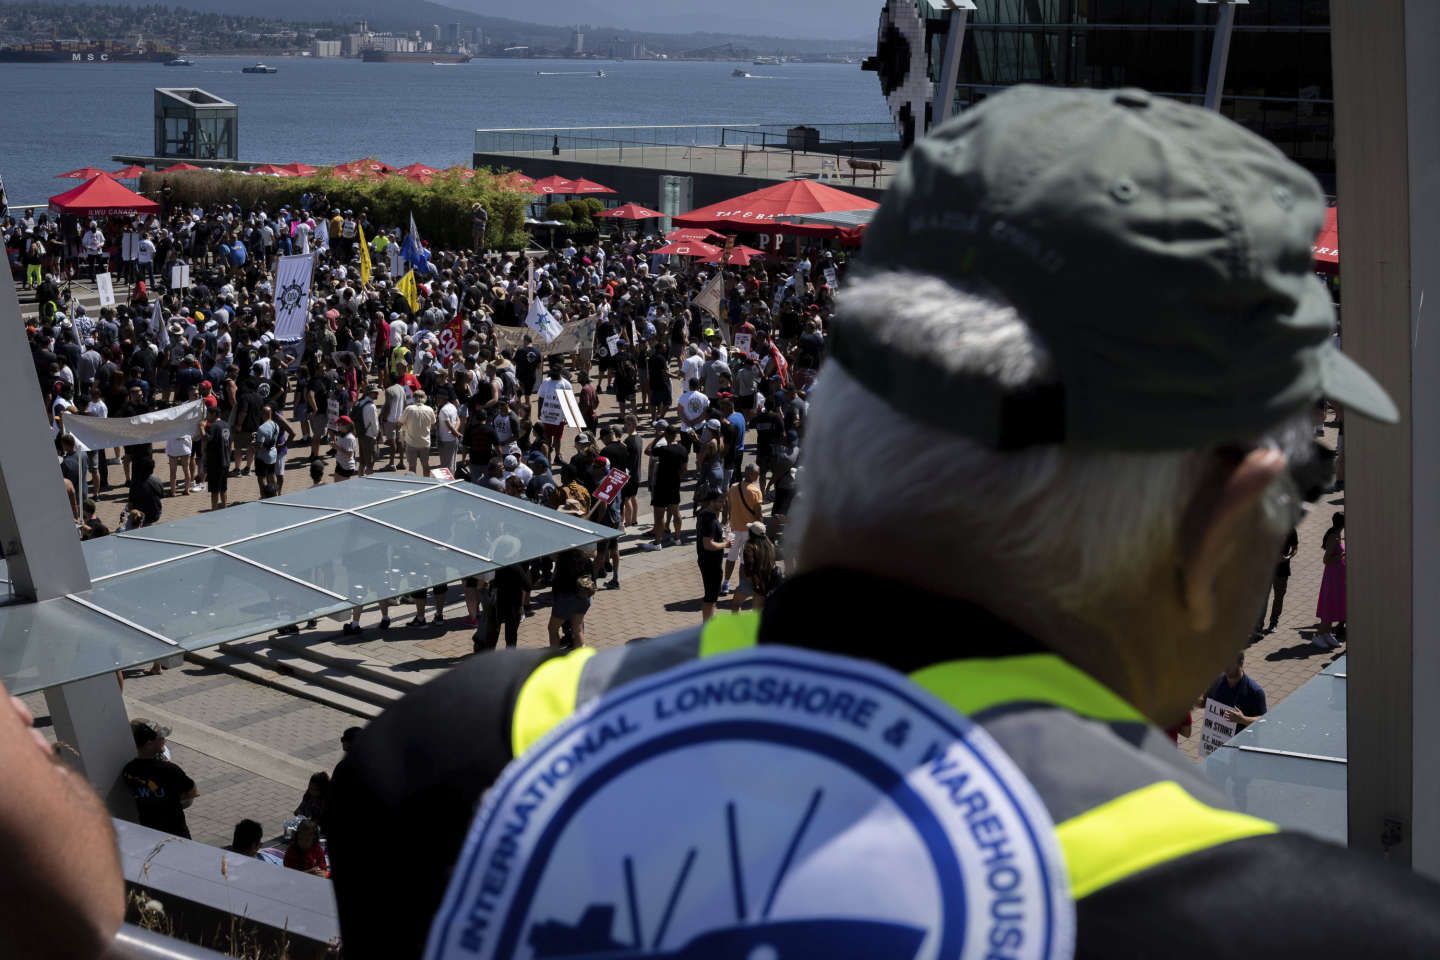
{"x": 1086, "y": 322}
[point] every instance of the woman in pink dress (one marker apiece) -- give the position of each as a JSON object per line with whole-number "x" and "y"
{"x": 1331, "y": 608}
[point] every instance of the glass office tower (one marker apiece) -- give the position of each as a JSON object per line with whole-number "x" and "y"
{"x": 1279, "y": 81}
{"x": 1278, "y": 84}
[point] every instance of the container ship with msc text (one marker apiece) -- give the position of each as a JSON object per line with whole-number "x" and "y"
{"x": 77, "y": 51}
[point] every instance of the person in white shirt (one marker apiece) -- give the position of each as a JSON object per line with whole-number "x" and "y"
{"x": 692, "y": 365}
{"x": 514, "y": 468}
{"x": 145, "y": 257}
{"x": 447, "y": 430}
{"x": 399, "y": 330}
{"x": 93, "y": 243}
{"x": 552, "y": 415}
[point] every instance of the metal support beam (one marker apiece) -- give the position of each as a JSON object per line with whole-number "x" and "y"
{"x": 89, "y": 717}
{"x": 1387, "y": 114}
{"x": 1220, "y": 52}
{"x": 42, "y": 550}
{"x": 950, "y": 67}
{"x": 37, "y": 530}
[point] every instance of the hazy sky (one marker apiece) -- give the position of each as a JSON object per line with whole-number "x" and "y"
{"x": 831, "y": 19}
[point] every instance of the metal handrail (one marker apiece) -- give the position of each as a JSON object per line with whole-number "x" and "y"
{"x": 135, "y": 943}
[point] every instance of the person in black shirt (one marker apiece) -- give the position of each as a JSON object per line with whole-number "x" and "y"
{"x": 710, "y": 543}
{"x": 769, "y": 426}
{"x": 658, "y": 370}
{"x": 509, "y": 588}
{"x": 670, "y": 459}
{"x": 217, "y": 459}
{"x": 161, "y": 789}
{"x": 527, "y": 365}
{"x": 147, "y": 493}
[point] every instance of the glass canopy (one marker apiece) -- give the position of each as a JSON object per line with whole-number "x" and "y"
{"x": 217, "y": 577}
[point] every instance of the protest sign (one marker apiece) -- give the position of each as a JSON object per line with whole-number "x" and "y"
{"x": 742, "y": 343}
{"x": 613, "y": 344}
{"x": 611, "y": 486}
{"x": 440, "y": 473}
{"x": 106, "y": 288}
{"x": 180, "y": 276}
{"x": 1216, "y": 728}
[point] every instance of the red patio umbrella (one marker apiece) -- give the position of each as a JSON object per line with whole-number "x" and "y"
{"x": 630, "y": 211}
{"x": 419, "y": 176}
{"x": 301, "y": 169}
{"x": 556, "y": 184}
{"x": 131, "y": 172}
{"x": 102, "y": 197}
{"x": 271, "y": 170}
{"x": 740, "y": 256}
{"x": 585, "y": 187}
{"x": 693, "y": 249}
{"x": 515, "y": 177}
{"x": 367, "y": 165}
{"x": 760, "y": 211}
{"x": 691, "y": 234}
{"x": 1327, "y": 245}
{"x": 181, "y": 168}
{"x": 84, "y": 173}
{"x": 417, "y": 169}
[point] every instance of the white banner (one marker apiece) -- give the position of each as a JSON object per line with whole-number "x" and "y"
{"x": 180, "y": 276}
{"x": 105, "y": 286}
{"x": 292, "y": 297}
{"x": 575, "y": 337}
{"x": 130, "y": 246}
{"x": 97, "y": 433}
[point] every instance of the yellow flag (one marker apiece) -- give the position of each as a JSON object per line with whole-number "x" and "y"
{"x": 407, "y": 289}
{"x": 365, "y": 265}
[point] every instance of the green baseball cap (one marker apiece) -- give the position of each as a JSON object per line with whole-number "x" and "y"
{"x": 1160, "y": 252}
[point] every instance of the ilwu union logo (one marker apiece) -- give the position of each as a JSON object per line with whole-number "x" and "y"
{"x": 761, "y": 805}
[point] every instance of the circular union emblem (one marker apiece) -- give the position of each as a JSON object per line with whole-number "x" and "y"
{"x": 291, "y": 296}
{"x": 761, "y": 805}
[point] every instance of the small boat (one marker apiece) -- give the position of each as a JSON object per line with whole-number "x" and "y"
{"x": 179, "y": 62}
{"x": 600, "y": 74}
{"x": 741, "y": 74}
{"x": 260, "y": 68}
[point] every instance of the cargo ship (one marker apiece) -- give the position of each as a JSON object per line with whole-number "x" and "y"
{"x": 76, "y": 51}
{"x": 423, "y": 56}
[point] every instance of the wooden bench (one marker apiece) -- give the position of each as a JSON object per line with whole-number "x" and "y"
{"x": 873, "y": 167}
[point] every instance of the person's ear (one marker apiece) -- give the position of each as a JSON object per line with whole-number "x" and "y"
{"x": 1215, "y": 523}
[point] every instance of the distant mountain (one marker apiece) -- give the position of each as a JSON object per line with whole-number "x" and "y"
{"x": 796, "y": 19}
{"x": 820, "y": 26}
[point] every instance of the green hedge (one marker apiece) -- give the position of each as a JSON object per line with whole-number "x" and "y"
{"x": 441, "y": 207}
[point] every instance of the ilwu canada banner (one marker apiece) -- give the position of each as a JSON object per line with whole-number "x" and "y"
{"x": 292, "y": 297}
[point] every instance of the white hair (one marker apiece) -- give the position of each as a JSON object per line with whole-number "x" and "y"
{"x": 1060, "y": 530}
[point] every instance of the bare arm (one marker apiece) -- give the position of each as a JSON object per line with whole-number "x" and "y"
{"x": 63, "y": 893}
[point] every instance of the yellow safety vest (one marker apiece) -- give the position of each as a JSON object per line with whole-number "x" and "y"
{"x": 1118, "y": 810}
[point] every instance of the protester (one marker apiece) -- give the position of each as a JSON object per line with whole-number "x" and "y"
{"x": 161, "y": 789}
{"x": 1330, "y": 608}
{"x": 711, "y": 542}
{"x": 1236, "y": 690}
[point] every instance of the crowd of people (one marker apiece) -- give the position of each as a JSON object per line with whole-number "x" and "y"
{"x": 450, "y": 379}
